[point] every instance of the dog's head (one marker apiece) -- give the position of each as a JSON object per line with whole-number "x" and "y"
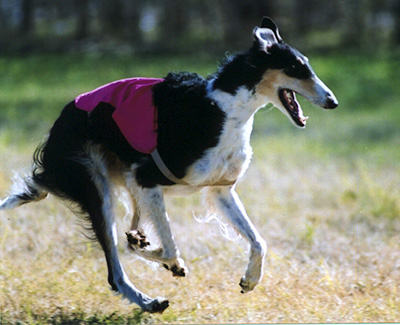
{"x": 288, "y": 72}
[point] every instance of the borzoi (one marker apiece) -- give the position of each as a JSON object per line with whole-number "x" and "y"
{"x": 180, "y": 133}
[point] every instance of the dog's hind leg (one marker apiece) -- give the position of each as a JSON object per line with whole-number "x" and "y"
{"x": 226, "y": 201}
{"x": 150, "y": 205}
{"x": 85, "y": 182}
{"x": 100, "y": 210}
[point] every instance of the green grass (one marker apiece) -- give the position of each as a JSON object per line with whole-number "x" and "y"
{"x": 34, "y": 89}
{"x": 326, "y": 199}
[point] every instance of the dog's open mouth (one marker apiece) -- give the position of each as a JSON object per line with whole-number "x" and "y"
{"x": 289, "y": 101}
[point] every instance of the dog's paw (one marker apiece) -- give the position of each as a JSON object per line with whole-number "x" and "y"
{"x": 137, "y": 239}
{"x": 247, "y": 284}
{"x": 157, "y": 305}
{"x": 178, "y": 268}
{"x": 160, "y": 306}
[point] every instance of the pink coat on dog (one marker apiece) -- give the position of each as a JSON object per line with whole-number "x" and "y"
{"x": 134, "y": 112}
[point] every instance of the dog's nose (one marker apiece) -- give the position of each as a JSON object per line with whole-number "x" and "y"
{"x": 331, "y": 102}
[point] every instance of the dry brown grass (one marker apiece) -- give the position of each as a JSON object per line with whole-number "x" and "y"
{"x": 326, "y": 200}
{"x": 332, "y": 227}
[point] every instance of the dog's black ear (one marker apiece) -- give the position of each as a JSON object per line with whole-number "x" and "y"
{"x": 270, "y": 24}
{"x": 265, "y": 38}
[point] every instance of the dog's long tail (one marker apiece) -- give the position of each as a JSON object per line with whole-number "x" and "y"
{"x": 24, "y": 190}
{"x": 28, "y": 188}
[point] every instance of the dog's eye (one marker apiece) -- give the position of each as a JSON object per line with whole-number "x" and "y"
{"x": 291, "y": 69}
{"x": 298, "y": 70}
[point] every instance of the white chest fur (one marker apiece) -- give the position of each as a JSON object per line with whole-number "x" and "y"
{"x": 231, "y": 157}
{"x": 228, "y": 160}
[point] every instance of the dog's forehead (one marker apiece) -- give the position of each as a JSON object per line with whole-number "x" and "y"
{"x": 296, "y": 55}
{"x": 285, "y": 55}
{"x": 291, "y": 61}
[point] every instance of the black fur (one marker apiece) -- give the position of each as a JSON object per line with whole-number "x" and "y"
{"x": 246, "y": 69}
{"x": 56, "y": 160}
{"x": 269, "y": 23}
{"x": 188, "y": 124}
{"x": 286, "y": 58}
{"x": 29, "y": 195}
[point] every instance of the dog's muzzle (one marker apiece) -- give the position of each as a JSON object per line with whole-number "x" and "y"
{"x": 331, "y": 102}
{"x": 322, "y": 95}
{"x": 313, "y": 90}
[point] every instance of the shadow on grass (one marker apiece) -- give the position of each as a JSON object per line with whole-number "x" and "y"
{"x": 137, "y": 317}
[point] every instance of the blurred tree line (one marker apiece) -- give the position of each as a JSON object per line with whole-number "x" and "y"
{"x": 162, "y": 26}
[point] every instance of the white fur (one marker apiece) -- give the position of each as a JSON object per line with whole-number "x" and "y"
{"x": 97, "y": 166}
{"x": 321, "y": 92}
{"x": 98, "y": 169}
{"x": 225, "y": 162}
{"x": 151, "y": 207}
{"x": 10, "y": 202}
{"x": 231, "y": 157}
{"x": 226, "y": 201}
{"x": 21, "y": 185}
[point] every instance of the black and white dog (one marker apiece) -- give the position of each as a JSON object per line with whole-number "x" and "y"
{"x": 203, "y": 143}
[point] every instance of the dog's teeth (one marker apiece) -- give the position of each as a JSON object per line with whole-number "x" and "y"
{"x": 304, "y": 119}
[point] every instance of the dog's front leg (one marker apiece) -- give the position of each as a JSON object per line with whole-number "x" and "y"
{"x": 226, "y": 201}
{"x": 150, "y": 206}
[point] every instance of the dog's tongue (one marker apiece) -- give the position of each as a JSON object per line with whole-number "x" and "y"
{"x": 294, "y": 106}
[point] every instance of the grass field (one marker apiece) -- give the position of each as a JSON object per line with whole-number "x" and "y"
{"x": 326, "y": 199}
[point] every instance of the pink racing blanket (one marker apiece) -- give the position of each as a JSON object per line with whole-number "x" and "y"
{"x": 134, "y": 112}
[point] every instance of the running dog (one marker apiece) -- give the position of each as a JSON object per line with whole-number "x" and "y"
{"x": 182, "y": 133}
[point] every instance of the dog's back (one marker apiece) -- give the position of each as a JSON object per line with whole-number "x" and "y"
{"x": 203, "y": 140}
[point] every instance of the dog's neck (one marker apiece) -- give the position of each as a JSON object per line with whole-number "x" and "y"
{"x": 239, "y": 107}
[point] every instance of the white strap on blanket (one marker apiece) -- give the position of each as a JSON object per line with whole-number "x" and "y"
{"x": 168, "y": 174}
{"x": 164, "y": 169}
